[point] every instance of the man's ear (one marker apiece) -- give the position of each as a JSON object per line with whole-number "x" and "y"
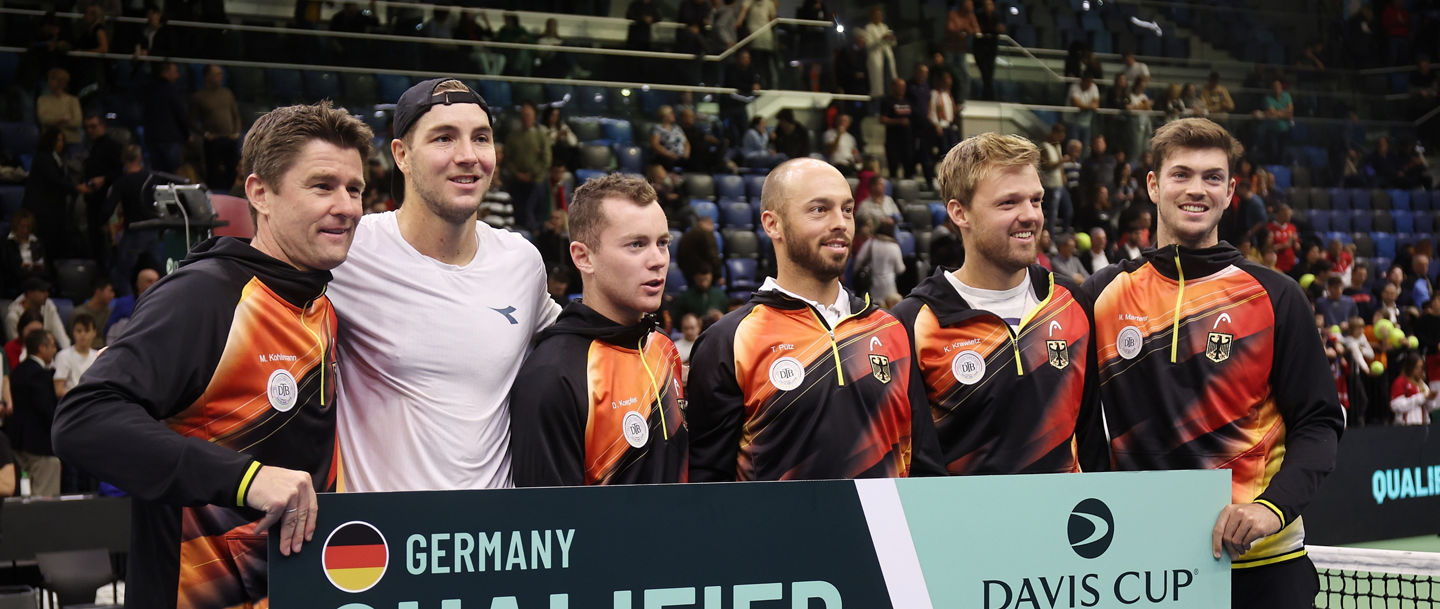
{"x": 257, "y": 193}
{"x": 957, "y": 212}
{"x": 580, "y": 254}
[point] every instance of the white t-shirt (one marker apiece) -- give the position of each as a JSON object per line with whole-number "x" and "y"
{"x": 844, "y": 147}
{"x": 70, "y": 365}
{"x": 428, "y": 352}
{"x": 1085, "y": 96}
{"x": 1011, "y": 305}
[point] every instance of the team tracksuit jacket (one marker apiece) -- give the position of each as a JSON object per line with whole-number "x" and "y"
{"x": 778, "y": 394}
{"x": 1008, "y": 401}
{"x": 599, "y": 403}
{"x": 228, "y": 363}
{"x": 1210, "y": 361}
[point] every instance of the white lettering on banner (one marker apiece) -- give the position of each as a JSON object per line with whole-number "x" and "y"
{"x": 1405, "y": 483}
{"x": 744, "y": 595}
{"x": 459, "y": 552}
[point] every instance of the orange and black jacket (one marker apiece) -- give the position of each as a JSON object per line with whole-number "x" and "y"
{"x": 598, "y": 403}
{"x": 228, "y": 364}
{"x": 1007, "y": 401}
{"x": 1210, "y": 361}
{"x": 777, "y": 394}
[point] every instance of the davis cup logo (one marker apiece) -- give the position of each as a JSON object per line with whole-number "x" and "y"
{"x": 356, "y": 556}
{"x": 1091, "y": 529}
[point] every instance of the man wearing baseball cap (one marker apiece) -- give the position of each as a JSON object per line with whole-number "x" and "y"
{"x": 437, "y": 311}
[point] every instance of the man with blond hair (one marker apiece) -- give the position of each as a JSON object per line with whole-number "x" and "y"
{"x": 216, "y": 410}
{"x": 805, "y": 381}
{"x": 1022, "y": 329}
{"x": 1210, "y": 361}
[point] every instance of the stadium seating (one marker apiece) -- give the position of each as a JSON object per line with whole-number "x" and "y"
{"x": 737, "y": 214}
{"x": 674, "y": 280}
{"x": 699, "y": 186}
{"x": 705, "y": 209}
{"x": 730, "y": 186}
{"x": 741, "y": 243}
{"x": 630, "y": 159}
{"x": 741, "y": 274}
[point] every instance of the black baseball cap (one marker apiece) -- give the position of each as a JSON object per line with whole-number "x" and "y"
{"x": 417, "y": 100}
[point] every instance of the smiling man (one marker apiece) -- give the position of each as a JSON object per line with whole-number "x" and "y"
{"x": 216, "y": 410}
{"x": 805, "y": 381}
{"x": 599, "y": 400}
{"x": 437, "y": 311}
{"x": 1002, "y": 347}
{"x": 1210, "y": 361}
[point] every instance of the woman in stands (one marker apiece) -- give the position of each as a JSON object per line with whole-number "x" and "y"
{"x": 1411, "y": 397}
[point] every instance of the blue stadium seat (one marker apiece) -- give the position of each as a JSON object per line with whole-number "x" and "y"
{"x": 1359, "y": 198}
{"x": 1340, "y": 220}
{"x": 1404, "y": 221}
{"x": 392, "y": 86}
{"x": 1360, "y": 221}
{"x": 699, "y": 186}
{"x": 1379, "y": 199}
{"x": 496, "y": 93}
{"x": 737, "y": 214}
{"x": 705, "y": 209}
{"x": 618, "y": 130}
{"x": 674, "y": 279}
{"x": 1338, "y": 236}
{"x": 584, "y": 175}
{"x": 1320, "y": 219}
{"x": 1424, "y": 222}
{"x": 321, "y": 85}
{"x": 19, "y": 138}
{"x": 1422, "y": 200}
{"x": 64, "y": 306}
{"x": 1340, "y": 199}
{"x": 1382, "y": 221}
{"x": 938, "y": 213}
{"x": 597, "y": 156}
{"x": 742, "y": 273}
{"x": 729, "y": 186}
{"x": 1282, "y": 175}
{"x": 1399, "y": 199}
{"x": 741, "y": 243}
{"x": 629, "y": 159}
{"x": 10, "y": 199}
{"x": 675, "y": 242}
{"x": 906, "y": 239}
{"x": 1384, "y": 246}
{"x": 753, "y": 185}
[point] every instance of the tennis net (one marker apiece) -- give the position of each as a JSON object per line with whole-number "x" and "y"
{"x": 1357, "y": 578}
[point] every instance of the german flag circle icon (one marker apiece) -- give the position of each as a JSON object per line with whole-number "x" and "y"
{"x": 356, "y": 556}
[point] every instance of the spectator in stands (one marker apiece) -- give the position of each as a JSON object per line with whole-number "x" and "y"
{"x": 33, "y": 389}
{"x": 218, "y": 120}
{"x": 48, "y": 190}
{"x": 791, "y": 138}
{"x": 880, "y": 56}
{"x": 986, "y": 45}
{"x": 667, "y": 192}
{"x": 1388, "y": 307}
{"x": 642, "y": 14}
{"x": 1096, "y": 257}
{"x": 1427, "y": 330}
{"x": 167, "y": 122}
{"x": 1084, "y": 95}
{"x": 1341, "y": 258}
{"x": 58, "y": 109}
{"x": 1423, "y": 87}
{"x": 851, "y": 69}
{"x": 1416, "y": 289}
{"x": 97, "y": 307}
{"x": 1354, "y": 343}
{"x": 134, "y": 195}
{"x": 1133, "y": 69}
{"x": 1411, "y": 397}
{"x": 1335, "y": 305}
{"x": 756, "y": 14}
{"x": 102, "y": 168}
{"x": 1416, "y": 172}
{"x": 123, "y": 306}
{"x": 689, "y": 331}
{"x": 1058, "y": 209}
{"x": 725, "y": 22}
{"x": 1065, "y": 263}
{"x": 24, "y": 253}
{"x": 553, "y": 242}
{"x": 518, "y": 62}
{"x": 895, "y": 111}
{"x": 743, "y": 77}
{"x": 701, "y": 298}
{"x": 840, "y": 148}
{"x": 1119, "y": 95}
{"x": 755, "y": 146}
{"x": 486, "y": 60}
{"x": 875, "y": 208}
{"x": 157, "y": 38}
{"x": 1138, "y": 104}
{"x": 1127, "y": 187}
{"x": 1215, "y": 96}
{"x": 1071, "y": 165}
{"x": 917, "y": 93}
{"x": 553, "y": 64}
{"x": 1358, "y": 289}
{"x": 564, "y": 145}
{"x": 695, "y": 12}
{"x": 35, "y": 295}
{"x": 1381, "y": 165}
{"x": 527, "y": 161}
{"x": 881, "y": 260}
{"x": 698, "y": 249}
{"x": 1279, "y": 108}
{"x": 944, "y": 114}
{"x": 960, "y": 27}
{"x": 1244, "y": 218}
{"x": 1395, "y": 23}
{"x": 1098, "y": 169}
{"x": 1286, "y": 239}
{"x": 707, "y": 152}
{"x": 28, "y": 322}
{"x": 350, "y": 18}
{"x": 668, "y": 146}
{"x": 72, "y": 362}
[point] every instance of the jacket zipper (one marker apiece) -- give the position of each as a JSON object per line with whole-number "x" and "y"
{"x": 1179, "y": 298}
{"x": 654, "y": 386}
{"x": 834, "y": 346}
{"x": 1015, "y": 333}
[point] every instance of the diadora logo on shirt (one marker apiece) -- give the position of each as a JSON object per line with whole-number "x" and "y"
{"x": 507, "y": 313}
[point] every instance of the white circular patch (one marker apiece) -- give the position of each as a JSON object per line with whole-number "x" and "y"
{"x": 968, "y": 367}
{"x": 636, "y": 429}
{"x": 1129, "y": 341}
{"x": 787, "y": 373}
{"x": 282, "y": 390}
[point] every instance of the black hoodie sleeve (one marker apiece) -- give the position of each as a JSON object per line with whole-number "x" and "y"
{"x": 1304, "y": 396}
{"x": 110, "y": 424}
{"x": 1092, "y": 444}
{"x": 716, "y": 411}
{"x": 547, "y": 415}
{"x": 926, "y": 458}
